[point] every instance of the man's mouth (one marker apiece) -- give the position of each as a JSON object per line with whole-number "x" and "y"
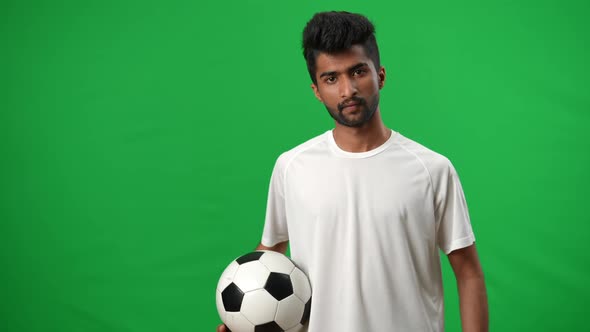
{"x": 350, "y": 105}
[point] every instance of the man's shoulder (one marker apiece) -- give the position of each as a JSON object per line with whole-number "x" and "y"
{"x": 431, "y": 160}
{"x": 286, "y": 157}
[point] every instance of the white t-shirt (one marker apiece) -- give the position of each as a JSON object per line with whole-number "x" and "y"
{"x": 367, "y": 228}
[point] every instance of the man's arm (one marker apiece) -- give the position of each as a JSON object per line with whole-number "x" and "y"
{"x": 279, "y": 247}
{"x": 472, "y": 290}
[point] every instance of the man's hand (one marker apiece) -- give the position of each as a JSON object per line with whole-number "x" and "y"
{"x": 222, "y": 328}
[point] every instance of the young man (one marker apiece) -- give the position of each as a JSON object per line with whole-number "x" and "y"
{"x": 366, "y": 210}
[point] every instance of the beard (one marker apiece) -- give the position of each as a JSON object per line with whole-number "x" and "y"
{"x": 366, "y": 112}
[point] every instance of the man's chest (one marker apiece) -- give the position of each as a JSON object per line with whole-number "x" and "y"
{"x": 378, "y": 191}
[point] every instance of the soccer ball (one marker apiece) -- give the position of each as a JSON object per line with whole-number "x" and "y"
{"x": 263, "y": 291}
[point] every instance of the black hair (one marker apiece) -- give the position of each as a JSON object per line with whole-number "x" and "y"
{"x": 333, "y": 32}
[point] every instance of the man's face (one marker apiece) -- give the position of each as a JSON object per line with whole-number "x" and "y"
{"x": 348, "y": 85}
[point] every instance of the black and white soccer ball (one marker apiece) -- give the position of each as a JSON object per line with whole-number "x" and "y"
{"x": 264, "y": 291}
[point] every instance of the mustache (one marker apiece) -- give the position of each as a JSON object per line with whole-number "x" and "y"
{"x": 355, "y": 100}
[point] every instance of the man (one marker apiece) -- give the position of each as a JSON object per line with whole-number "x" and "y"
{"x": 366, "y": 210}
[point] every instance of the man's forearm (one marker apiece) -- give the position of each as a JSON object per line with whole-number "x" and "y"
{"x": 474, "y": 304}
{"x": 280, "y": 247}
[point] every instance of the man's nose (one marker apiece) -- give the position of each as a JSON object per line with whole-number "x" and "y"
{"x": 347, "y": 88}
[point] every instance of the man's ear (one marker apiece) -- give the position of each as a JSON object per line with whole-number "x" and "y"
{"x": 316, "y": 92}
{"x": 381, "y": 75}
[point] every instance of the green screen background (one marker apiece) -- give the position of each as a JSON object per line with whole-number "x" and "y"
{"x": 137, "y": 141}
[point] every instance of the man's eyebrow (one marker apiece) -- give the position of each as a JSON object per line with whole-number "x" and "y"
{"x": 357, "y": 66}
{"x": 351, "y": 69}
{"x": 328, "y": 73}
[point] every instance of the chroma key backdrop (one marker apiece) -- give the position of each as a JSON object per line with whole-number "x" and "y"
{"x": 137, "y": 141}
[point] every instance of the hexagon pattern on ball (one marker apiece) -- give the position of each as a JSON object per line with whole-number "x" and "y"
{"x": 259, "y": 307}
{"x": 263, "y": 291}
{"x": 289, "y": 312}
{"x": 251, "y": 276}
{"x": 301, "y": 286}
{"x": 227, "y": 276}
{"x": 236, "y": 322}
{"x": 273, "y": 264}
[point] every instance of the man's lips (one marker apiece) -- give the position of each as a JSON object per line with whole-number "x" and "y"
{"x": 349, "y": 107}
{"x": 351, "y": 104}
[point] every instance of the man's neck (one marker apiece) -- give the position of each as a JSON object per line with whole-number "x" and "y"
{"x": 362, "y": 139}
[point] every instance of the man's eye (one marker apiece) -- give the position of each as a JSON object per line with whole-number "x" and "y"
{"x": 331, "y": 79}
{"x": 359, "y": 72}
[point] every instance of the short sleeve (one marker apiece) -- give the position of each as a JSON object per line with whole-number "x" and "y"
{"x": 454, "y": 229}
{"x": 275, "y": 223}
